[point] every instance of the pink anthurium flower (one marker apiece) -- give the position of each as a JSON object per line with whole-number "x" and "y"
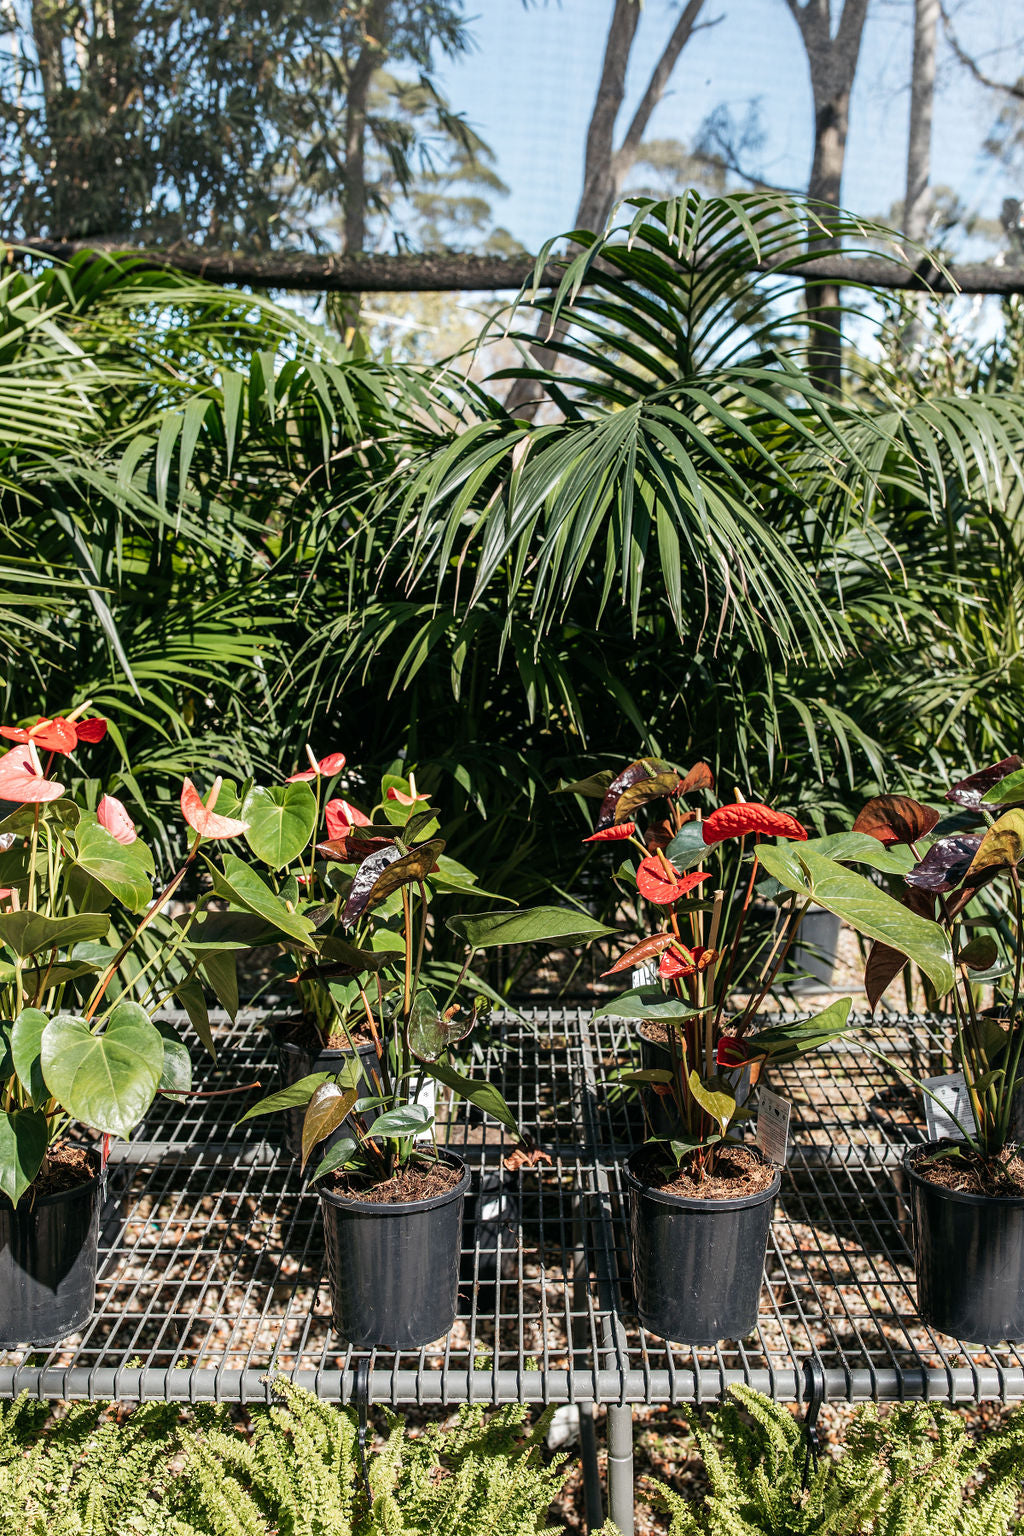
{"x": 111, "y": 814}
{"x": 403, "y": 798}
{"x": 22, "y": 779}
{"x": 339, "y": 816}
{"x": 319, "y": 768}
{"x": 200, "y": 816}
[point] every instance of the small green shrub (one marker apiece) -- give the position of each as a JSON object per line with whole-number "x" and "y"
{"x": 914, "y": 1470}
{"x": 159, "y": 1472}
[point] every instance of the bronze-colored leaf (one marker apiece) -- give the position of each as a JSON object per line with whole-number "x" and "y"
{"x": 971, "y": 791}
{"x": 645, "y": 950}
{"x": 351, "y": 849}
{"x": 980, "y": 953}
{"x": 326, "y": 1110}
{"x": 896, "y": 819}
{"x": 1002, "y": 847}
{"x": 662, "y": 785}
{"x": 699, "y": 777}
{"x": 883, "y": 967}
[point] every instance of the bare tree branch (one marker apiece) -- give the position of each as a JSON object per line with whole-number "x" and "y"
{"x": 1015, "y": 90}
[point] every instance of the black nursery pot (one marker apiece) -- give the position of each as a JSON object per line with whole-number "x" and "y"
{"x": 969, "y": 1257}
{"x": 394, "y": 1269}
{"x": 48, "y": 1250}
{"x": 298, "y": 1061}
{"x": 697, "y": 1264}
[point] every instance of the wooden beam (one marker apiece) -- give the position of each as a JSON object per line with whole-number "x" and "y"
{"x": 463, "y": 274}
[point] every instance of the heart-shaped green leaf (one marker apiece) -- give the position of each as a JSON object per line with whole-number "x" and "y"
{"x": 243, "y": 887}
{"x": 26, "y": 933}
{"x": 281, "y": 821}
{"x": 107, "y": 1080}
{"x": 176, "y": 1076}
{"x": 23, "y": 1140}
{"x": 337, "y": 1157}
{"x": 405, "y": 1120}
{"x": 123, "y": 869}
{"x": 26, "y": 1044}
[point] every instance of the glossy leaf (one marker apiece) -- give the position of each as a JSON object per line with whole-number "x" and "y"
{"x": 971, "y": 791}
{"x": 365, "y": 879}
{"x": 895, "y": 819}
{"x": 26, "y": 933}
{"x": 295, "y": 1096}
{"x": 26, "y": 1046}
{"x": 647, "y": 1003}
{"x": 176, "y": 1073}
{"x": 557, "y": 926}
{"x": 23, "y": 1141}
{"x": 404, "y": 1120}
{"x": 243, "y": 887}
{"x": 280, "y": 821}
{"x": 1009, "y": 790}
{"x": 352, "y": 849}
{"x": 883, "y": 966}
{"x": 688, "y": 846}
{"x": 647, "y": 949}
{"x": 861, "y": 848}
{"x": 122, "y": 869}
{"x": 594, "y": 788}
{"x": 698, "y": 777}
{"x": 107, "y": 1080}
{"x": 328, "y": 1108}
{"x": 642, "y": 771}
{"x": 720, "y": 1106}
{"x": 660, "y": 787}
{"x": 946, "y": 863}
{"x": 980, "y": 953}
{"x": 338, "y": 1155}
{"x": 867, "y": 909}
{"x": 483, "y": 1096}
{"x": 788, "y": 1042}
{"x": 408, "y": 869}
{"x": 1002, "y": 846}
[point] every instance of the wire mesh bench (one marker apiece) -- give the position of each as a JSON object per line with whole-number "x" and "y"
{"x": 212, "y": 1278}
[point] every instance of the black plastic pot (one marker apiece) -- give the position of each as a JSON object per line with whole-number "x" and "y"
{"x": 697, "y": 1264}
{"x": 969, "y": 1256}
{"x": 298, "y": 1061}
{"x": 48, "y": 1249}
{"x": 394, "y": 1269}
{"x": 815, "y": 950}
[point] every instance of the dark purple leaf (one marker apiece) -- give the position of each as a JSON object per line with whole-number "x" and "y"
{"x": 364, "y": 880}
{"x": 643, "y": 768}
{"x": 946, "y": 862}
{"x": 895, "y": 819}
{"x": 971, "y": 791}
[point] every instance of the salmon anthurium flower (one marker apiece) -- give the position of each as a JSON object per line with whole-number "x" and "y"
{"x": 339, "y": 816}
{"x": 22, "y": 779}
{"x": 319, "y": 768}
{"x": 112, "y": 816}
{"x": 201, "y": 817}
{"x": 403, "y": 798}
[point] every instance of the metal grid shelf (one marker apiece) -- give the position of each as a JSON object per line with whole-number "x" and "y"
{"x": 212, "y": 1277}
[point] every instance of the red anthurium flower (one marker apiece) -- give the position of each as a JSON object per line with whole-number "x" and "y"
{"x": 111, "y": 814}
{"x": 680, "y": 961}
{"x": 58, "y": 734}
{"x": 201, "y": 817}
{"x": 612, "y": 834}
{"x": 403, "y": 798}
{"x": 22, "y": 779}
{"x": 339, "y": 816}
{"x": 731, "y": 1052}
{"x": 322, "y": 768}
{"x": 655, "y": 883}
{"x": 747, "y": 816}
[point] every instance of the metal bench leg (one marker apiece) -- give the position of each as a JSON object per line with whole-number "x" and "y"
{"x": 593, "y": 1501}
{"x": 620, "y": 1468}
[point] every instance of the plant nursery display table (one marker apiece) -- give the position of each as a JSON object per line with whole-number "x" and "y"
{"x": 212, "y": 1269}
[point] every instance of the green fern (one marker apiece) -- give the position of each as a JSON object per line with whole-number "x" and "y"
{"x": 914, "y": 1470}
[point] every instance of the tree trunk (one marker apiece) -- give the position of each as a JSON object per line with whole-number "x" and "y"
{"x": 832, "y": 60}
{"x": 917, "y": 203}
{"x": 371, "y": 52}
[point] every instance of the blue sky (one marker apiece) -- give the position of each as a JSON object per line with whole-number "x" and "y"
{"x": 529, "y": 86}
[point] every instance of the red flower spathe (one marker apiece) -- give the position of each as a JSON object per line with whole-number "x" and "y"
{"x": 747, "y": 816}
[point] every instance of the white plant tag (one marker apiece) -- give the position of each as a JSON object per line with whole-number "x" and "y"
{"x": 645, "y": 975}
{"x": 771, "y": 1134}
{"x": 951, "y": 1091}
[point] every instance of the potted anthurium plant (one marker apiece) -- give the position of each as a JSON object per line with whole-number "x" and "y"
{"x": 391, "y": 1193}
{"x": 310, "y": 838}
{"x": 701, "y": 1198}
{"x": 967, "y": 1189}
{"x": 86, "y": 959}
